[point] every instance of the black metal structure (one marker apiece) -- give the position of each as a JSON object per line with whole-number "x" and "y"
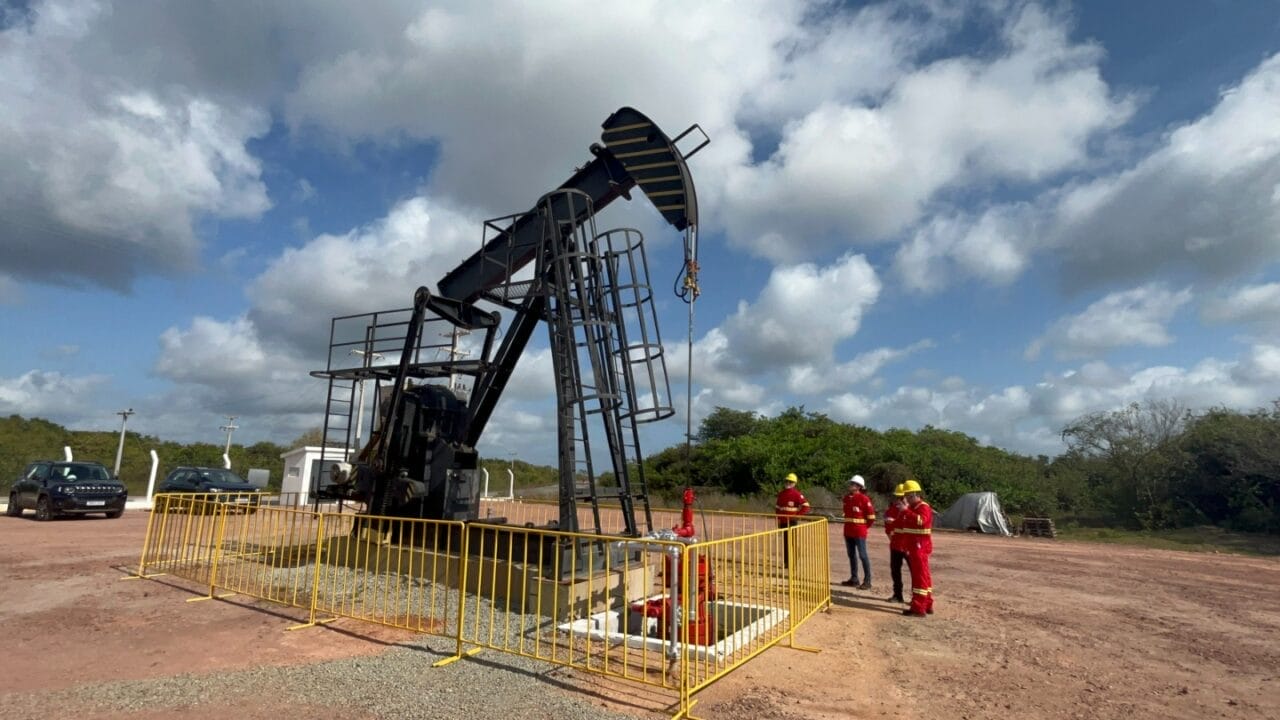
{"x": 590, "y": 290}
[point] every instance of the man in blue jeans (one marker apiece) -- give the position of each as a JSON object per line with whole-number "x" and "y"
{"x": 859, "y": 516}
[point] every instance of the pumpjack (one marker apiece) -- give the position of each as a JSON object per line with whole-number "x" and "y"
{"x": 547, "y": 266}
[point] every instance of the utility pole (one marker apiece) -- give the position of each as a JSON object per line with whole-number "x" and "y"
{"x": 454, "y": 354}
{"x": 230, "y": 427}
{"x": 367, "y": 356}
{"x": 124, "y": 420}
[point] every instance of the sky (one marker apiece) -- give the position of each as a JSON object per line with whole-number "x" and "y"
{"x": 990, "y": 216}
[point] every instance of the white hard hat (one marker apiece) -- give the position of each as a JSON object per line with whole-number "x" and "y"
{"x": 857, "y": 480}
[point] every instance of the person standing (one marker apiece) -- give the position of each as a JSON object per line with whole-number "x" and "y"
{"x": 915, "y": 522}
{"x": 897, "y": 543}
{"x": 790, "y": 505}
{"x": 859, "y": 516}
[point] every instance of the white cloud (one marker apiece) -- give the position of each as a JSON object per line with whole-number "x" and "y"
{"x": 40, "y": 393}
{"x": 1029, "y": 418}
{"x": 1121, "y": 319}
{"x": 843, "y": 55}
{"x": 232, "y": 369}
{"x": 815, "y": 379}
{"x": 464, "y": 75}
{"x": 853, "y": 172}
{"x": 1204, "y": 202}
{"x": 106, "y": 179}
{"x": 994, "y": 247}
{"x": 374, "y": 267}
{"x": 801, "y": 314}
{"x": 791, "y": 330}
{"x": 1252, "y": 304}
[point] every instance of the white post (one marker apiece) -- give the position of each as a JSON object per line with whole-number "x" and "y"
{"x": 66, "y": 452}
{"x": 511, "y": 488}
{"x": 226, "y": 461}
{"x": 359, "y": 418}
{"x": 366, "y": 361}
{"x": 151, "y": 482}
{"x": 486, "y": 482}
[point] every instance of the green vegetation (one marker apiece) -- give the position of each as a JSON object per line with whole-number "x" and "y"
{"x": 23, "y": 441}
{"x": 1146, "y": 467}
{"x": 1150, "y": 467}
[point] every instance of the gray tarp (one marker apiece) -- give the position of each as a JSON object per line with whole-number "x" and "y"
{"x": 975, "y": 511}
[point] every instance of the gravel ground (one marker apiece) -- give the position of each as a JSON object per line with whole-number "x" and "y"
{"x": 399, "y": 683}
{"x": 79, "y": 643}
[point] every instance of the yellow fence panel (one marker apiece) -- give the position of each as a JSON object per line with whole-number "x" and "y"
{"x": 586, "y": 601}
{"x": 182, "y": 537}
{"x": 270, "y": 554}
{"x": 398, "y": 572}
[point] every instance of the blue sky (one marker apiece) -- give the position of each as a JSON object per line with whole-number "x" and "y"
{"x": 988, "y": 216}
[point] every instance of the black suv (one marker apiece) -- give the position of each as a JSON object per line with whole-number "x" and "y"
{"x": 66, "y": 488}
{"x": 221, "y": 485}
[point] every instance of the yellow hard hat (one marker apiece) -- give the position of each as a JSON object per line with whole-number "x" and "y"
{"x": 791, "y": 477}
{"x": 911, "y": 486}
{"x": 898, "y": 491}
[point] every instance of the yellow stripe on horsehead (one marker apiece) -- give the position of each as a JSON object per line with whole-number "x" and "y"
{"x": 626, "y": 141}
{"x": 633, "y": 126}
{"x": 638, "y": 153}
{"x": 650, "y": 166}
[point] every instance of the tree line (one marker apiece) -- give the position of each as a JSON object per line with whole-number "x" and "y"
{"x": 1147, "y": 466}
{"x": 23, "y": 441}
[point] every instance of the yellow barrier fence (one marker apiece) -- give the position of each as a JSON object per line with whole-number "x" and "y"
{"x": 710, "y": 524}
{"x": 183, "y": 537}
{"x": 567, "y": 599}
{"x": 667, "y": 613}
{"x": 396, "y": 572}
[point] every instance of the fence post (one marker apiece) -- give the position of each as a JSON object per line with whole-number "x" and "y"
{"x": 796, "y": 562}
{"x": 216, "y": 550}
{"x": 312, "y": 605}
{"x": 146, "y": 545}
{"x": 686, "y": 612}
{"x": 464, "y": 555}
{"x": 315, "y": 574}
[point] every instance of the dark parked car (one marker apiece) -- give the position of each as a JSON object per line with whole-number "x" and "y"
{"x": 66, "y": 488}
{"x": 221, "y": 485}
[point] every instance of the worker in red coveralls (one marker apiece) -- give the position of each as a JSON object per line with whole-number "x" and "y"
{"x": 897, "y": 543}
{"x": 791, "y": 504}
{"x": 916, "y": 522}
{"x": 859, "y": 516}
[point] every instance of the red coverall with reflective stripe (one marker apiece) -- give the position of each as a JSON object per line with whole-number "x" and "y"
{"x": 915, "y": 523}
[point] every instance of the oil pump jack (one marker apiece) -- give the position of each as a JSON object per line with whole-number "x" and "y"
{"x": 547, "y": 266}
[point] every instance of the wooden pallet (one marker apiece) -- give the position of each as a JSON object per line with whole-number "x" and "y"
{"x": 1038, "y": 527}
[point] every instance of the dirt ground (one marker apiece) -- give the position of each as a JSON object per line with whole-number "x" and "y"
{"x": 1024, "y": 628}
